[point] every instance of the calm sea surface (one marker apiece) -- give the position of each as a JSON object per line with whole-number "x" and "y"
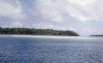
{"x": 17, "y": 49}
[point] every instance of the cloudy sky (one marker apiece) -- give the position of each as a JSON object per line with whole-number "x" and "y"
{"x": 82, "y": 16}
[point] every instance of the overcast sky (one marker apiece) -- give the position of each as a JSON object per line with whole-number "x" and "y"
{"x": 82, "y": 16}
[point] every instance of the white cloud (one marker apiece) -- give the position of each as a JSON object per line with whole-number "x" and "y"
{"x": 82, "y": 2}
{"x": 48, "y": 26}
{"x": 48, "y": 11}
{"x": 16, "y": 24}
{"x": 82, "y": 10}
{"x": 11, "y": 9}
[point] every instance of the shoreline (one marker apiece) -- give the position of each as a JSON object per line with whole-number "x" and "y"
{"x": 47, "y": 36}
{"x": 18, "y": 35}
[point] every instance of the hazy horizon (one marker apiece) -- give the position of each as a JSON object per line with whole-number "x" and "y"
{"x": 84, "y": 17}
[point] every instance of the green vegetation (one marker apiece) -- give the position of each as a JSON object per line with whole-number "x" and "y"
{"x": 36, "y": 31}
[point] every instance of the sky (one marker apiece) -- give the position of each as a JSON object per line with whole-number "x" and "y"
{"x": 82, "y": 16}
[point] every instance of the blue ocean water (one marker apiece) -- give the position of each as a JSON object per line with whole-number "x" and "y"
{"x": 50, "y": 50}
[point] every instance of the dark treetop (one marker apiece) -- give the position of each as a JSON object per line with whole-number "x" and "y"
{"x": 34, "y": 31}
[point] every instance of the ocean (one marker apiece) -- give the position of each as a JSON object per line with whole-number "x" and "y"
{"x": 50, "y": 49}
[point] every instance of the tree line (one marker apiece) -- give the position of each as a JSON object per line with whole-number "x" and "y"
{"x": 34, "y": 31}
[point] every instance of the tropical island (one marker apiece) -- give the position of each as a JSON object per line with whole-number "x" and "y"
{"x": 97, "y": 35}
{"x": 34, "y": 31}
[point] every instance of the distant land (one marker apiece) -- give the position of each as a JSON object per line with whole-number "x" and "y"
{"x": 33, "y": 31}
{"x": 97, "y": 35}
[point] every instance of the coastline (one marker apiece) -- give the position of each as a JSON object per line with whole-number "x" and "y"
{"x": 48, "y": 36}
{"x": 45, "y": 36}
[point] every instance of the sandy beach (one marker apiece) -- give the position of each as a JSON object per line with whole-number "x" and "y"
{"x": 52, "y": 36}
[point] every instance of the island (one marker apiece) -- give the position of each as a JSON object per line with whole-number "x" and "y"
{"x": 34, "y": 31}
{"x": 97, "y": 35}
